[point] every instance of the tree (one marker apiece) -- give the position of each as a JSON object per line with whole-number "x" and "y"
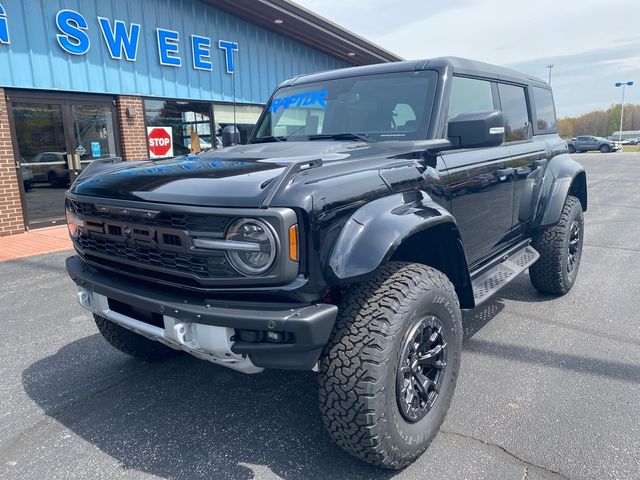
{"x": 601, "y": 123}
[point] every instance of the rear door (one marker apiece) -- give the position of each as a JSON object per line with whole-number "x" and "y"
{"x": 480, "y": 183}
{"x": 527, "y": 154}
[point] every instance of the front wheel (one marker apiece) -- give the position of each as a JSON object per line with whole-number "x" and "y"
{"x": 560, "y": 248}
{"x": 572, "y": 149}
{"x": 388, "y": 373}
{"x": 605, "y": 149}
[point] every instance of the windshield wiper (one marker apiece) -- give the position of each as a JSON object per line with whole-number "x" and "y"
{"x": 269, "y": 139}
{"x": 342, "y": 136}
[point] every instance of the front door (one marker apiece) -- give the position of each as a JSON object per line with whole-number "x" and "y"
{"x": 480, "y": 181}
{"x": 55, "y": 137}
{"x": 480, "y": 186}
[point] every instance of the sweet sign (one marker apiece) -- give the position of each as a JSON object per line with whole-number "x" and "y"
{"x": 122, "y": 41}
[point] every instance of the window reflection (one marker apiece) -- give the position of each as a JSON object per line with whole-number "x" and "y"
{"x": 245, "y": 118}
{"x": 190, "y": 123}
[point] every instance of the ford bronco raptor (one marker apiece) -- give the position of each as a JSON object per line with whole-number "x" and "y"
{"x": 369, "y": 206}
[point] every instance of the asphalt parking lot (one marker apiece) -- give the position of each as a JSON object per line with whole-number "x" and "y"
{"x": 549, "y": 387}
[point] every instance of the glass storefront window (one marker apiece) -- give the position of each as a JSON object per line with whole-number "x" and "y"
{"x": 246, "y": 116}
{"x": 190, "y": 122}
{"x": 53, "y": 134}
{"x": 93, "y": 132}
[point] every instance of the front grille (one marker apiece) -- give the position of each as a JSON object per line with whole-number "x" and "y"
{"x": 135, "y": 243}
{"x": 179, "y": 221}
{"x": 215, "y": 265}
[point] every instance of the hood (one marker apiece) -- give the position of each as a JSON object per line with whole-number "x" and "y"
{"x": 239, "y": 176}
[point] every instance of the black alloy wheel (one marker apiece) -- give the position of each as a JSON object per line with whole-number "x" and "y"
{"x": 421, "y": 369}
{"x": 574, "y": 246}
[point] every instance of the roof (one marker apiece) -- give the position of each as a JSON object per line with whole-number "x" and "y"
{"x": 459, "y": 65}
{"x": 307, "y": 27}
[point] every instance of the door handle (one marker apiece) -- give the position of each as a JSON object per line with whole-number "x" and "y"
{"x": 505, "y": 172}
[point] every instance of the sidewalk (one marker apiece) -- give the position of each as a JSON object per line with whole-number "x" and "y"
{"x": 35, "y": 242}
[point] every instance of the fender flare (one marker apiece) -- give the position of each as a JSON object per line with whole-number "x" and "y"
{"x": 376, "y": 230}
{"x": 562, "y": 176}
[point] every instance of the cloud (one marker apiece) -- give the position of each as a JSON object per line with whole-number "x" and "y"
{"x": 584, "y": 81}
{"x": 591, "y": 43}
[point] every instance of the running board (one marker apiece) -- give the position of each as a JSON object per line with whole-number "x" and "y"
{"x": 504, "y": 272}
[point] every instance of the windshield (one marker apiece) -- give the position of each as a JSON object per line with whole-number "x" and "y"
{"x": 391, "y": 106}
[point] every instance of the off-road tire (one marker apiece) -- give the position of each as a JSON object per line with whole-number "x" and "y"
{"x": 131, "y": 343}
{"x": 550, "y": 274}
{"x": 359, "y": 365}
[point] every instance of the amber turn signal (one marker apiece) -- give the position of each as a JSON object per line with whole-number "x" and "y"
{"x": 293, "y": 243}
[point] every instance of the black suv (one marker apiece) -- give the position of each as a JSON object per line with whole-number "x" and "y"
{"x": 369, "y": 206}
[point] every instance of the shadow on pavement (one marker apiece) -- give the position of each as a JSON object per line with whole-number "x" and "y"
{"x": 185, "y": 418}
{"x": 519, "y": 290}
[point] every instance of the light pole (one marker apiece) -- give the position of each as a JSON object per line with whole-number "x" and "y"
{"x": 550, "y": 66}
{"x": 624, "y": 86}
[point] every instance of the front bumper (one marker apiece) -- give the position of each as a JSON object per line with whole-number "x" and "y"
{"x": 186, "y": 317}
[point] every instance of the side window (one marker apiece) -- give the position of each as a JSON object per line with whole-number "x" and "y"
{"x": 469, "y": 95}
{"x": 545, "y": 111}
{"x": 514, "y": 108}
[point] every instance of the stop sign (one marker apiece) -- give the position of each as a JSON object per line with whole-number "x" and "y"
{"x": 160, "y": 141}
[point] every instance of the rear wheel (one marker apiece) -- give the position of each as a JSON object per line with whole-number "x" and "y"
{"x": 560, "y": 248}
{"x": 131, "y": 343}
{"x": 388, "y": 373}
{"x": 605, "y": 148}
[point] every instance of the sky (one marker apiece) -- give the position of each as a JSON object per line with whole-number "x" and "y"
{"x": 591, "y": 43}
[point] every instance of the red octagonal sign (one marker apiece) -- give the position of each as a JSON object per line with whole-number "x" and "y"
{"x": 160, "y": 142}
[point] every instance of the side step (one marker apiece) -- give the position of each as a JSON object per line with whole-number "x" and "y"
{"x": 489, "y": 282}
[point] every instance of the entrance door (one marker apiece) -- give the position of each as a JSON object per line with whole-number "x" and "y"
{"x": 54, "y": 135}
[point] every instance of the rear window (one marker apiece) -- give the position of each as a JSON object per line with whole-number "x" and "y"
{"x": 514, "y": 109}
{"x": 545, "y": 111}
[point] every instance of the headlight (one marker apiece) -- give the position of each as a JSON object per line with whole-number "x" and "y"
{"x": 252, "y": 262}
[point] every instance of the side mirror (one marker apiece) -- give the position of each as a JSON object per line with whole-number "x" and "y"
{"x": 230, "y": 136}
{"x": 475, "y": 130}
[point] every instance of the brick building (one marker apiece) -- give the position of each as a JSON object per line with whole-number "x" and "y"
{"x": 86, "y": 80}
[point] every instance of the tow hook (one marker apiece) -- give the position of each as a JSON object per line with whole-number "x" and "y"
{"x": 184, "y": 335}
{"x": 84, "y": 298}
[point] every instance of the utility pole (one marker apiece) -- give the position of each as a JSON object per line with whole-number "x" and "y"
{"x": 624, "y": 86}
{"x": 550, "y": 66}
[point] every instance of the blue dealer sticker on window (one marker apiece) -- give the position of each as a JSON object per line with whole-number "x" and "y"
{"x": 306, "y": 99}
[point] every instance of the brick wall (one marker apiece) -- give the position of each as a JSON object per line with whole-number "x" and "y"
{"x": 11, "y": 219}
{"x": 133, "y": 132}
